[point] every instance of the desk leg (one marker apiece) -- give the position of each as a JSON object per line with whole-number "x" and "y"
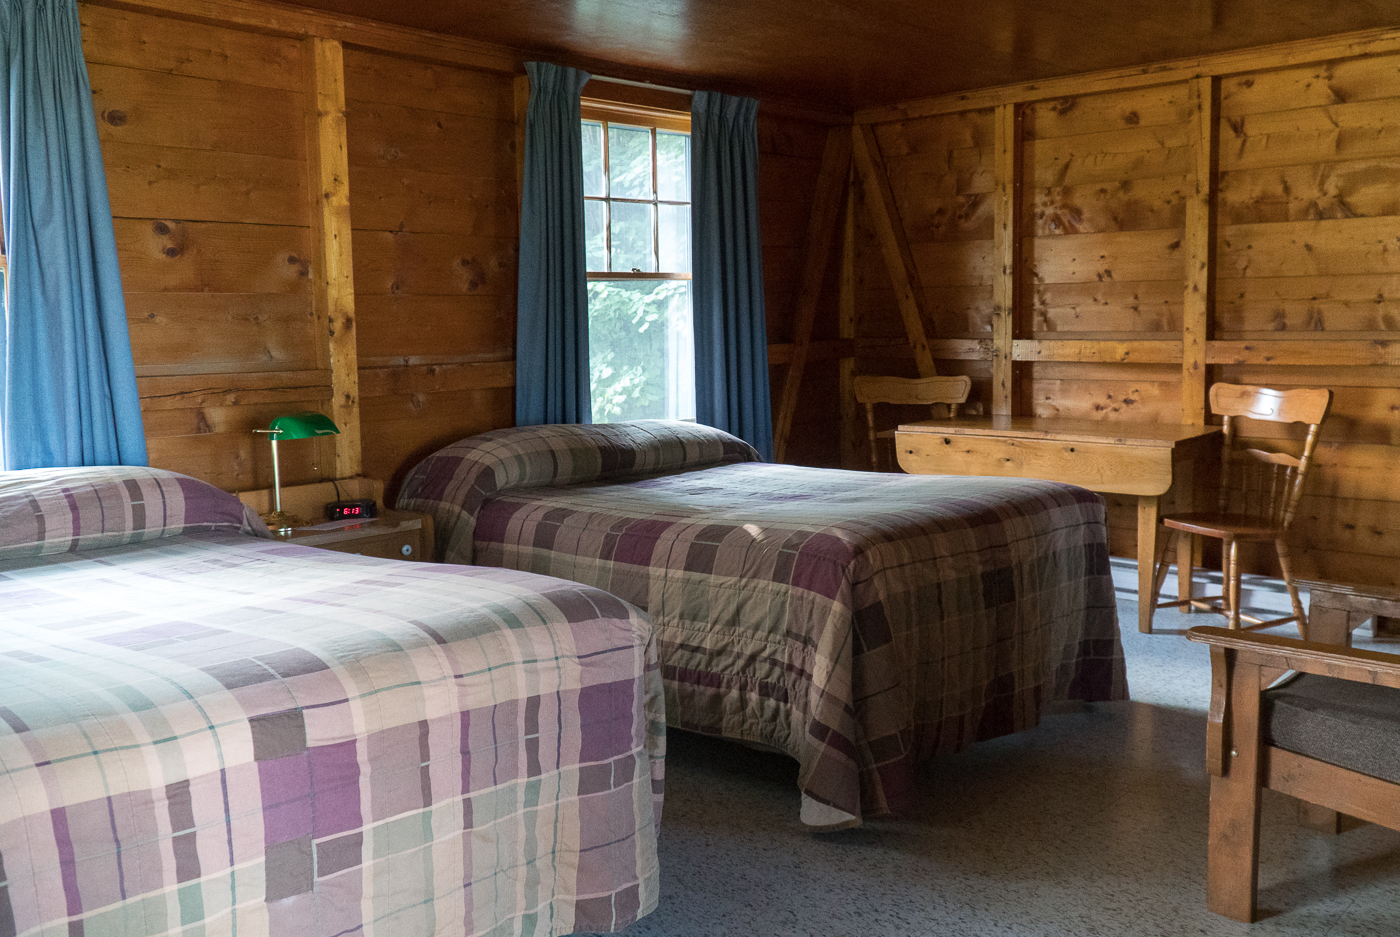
{"x": 1147, "y": 552}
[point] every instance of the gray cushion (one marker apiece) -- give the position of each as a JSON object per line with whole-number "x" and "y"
{"x": 1342, "y": 722}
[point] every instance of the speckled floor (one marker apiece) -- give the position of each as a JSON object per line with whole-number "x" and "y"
{"x": 1092, "y": 824}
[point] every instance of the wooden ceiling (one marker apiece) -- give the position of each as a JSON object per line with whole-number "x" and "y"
{"x": 846, "y": 54}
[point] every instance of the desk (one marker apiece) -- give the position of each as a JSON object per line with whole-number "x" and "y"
{"x": 1143, "y": 459}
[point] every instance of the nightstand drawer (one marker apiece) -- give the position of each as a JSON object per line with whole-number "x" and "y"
{"x": 393, "y": 535}
{"x": 403, "y": 545}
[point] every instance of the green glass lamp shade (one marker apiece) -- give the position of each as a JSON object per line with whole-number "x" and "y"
{"x": 303, "y": 426}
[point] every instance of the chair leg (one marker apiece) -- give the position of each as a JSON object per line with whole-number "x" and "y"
{"x": 1185, "y": 569}
{"x": 1159, "y": 572}
{"x": 1232, "y": 581}
{"x": 1298, "y": 612}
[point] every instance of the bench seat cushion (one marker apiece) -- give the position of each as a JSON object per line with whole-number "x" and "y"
{"x": 1342, "y": 722}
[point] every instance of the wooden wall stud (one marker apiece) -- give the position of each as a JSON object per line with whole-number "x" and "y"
{"x": 1204, "y": 134}
{"x": 1006, "y": 254}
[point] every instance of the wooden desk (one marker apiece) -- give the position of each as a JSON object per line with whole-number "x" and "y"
{"x": 1143, "y": 459}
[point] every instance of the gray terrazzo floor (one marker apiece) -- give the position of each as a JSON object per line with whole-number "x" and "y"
{"x": 1093, "y": 824}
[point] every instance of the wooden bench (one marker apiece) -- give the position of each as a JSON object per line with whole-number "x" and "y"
{"x": 1335, "y": 611}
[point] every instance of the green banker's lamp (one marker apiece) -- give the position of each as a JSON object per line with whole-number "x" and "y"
{"x": 292, "y": 426}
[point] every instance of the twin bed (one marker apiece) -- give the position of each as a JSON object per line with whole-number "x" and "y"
{"x": 859, "y": 622}
{"x": 203, "y": 729}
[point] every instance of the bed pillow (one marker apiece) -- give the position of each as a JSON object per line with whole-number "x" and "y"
{"x": 453, "y": 483}
{"x": 65, "y": 510}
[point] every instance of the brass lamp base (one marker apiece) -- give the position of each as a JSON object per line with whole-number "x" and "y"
{"x": 281, "y": 521}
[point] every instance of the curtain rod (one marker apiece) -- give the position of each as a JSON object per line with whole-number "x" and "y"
{"x": 641, "y": 84}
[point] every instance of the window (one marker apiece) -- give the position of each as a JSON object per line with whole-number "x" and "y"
{"x": 636, "y": 184}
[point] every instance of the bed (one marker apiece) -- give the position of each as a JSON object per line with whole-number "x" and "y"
{"x": 860, "y": 622}
{"x": 205, "y": 730}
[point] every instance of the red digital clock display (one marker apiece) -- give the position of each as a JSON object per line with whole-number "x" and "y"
{"x": 351, "y": 512}
{"x": 357, "y": 509}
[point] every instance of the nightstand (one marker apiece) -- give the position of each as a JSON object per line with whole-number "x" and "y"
{"x": 394, "y": 535}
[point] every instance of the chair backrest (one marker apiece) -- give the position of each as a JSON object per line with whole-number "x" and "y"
{"x": 1256, "y": 482}
{"x": 929, "y": 391}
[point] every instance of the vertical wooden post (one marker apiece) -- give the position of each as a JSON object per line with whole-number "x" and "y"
{"x": 1199, "y": 240}
{"x": 821, "y": 230}
{"x": 904, "y": 276}
{"x": 522, "y": 104}
{"x": 333, "y": 292}
{"x": 1006, "y": 256}
{"x": 849, "y": 455}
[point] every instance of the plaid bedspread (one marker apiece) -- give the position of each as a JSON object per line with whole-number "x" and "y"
{"x": 859, "y": 622}
{"x": 212, "y": 733}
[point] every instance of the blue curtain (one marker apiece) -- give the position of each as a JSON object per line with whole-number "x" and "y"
{"x": 67, "y": 381}
{"x": 731, "y": 338}
{"x": 551, "y": 332}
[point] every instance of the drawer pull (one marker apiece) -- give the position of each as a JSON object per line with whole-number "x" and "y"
{"x": 406, "y": 549}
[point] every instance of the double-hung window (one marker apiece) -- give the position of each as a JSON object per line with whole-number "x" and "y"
{"x": 636, "y": 184}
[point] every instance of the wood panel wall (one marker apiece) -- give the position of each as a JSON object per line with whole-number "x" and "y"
{"x": 1227, "y": 219}
{"x": 318, "y": 213}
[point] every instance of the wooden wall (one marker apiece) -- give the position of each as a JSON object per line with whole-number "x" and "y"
{"x": 1227, "y": 219}
{"x": 244, "y": 151}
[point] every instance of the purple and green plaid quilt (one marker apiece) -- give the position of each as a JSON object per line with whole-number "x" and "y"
{"x": 209, "y": 733}
{"x": 859, "y": 622}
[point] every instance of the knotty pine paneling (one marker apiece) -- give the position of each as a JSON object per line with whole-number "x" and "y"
{"x": 789, "y": 162}
{"x": 435, "y": 219}
{"x": 204, "y": 141}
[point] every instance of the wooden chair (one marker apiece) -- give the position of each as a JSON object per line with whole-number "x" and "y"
{"x": 1329, "y": 737}
{"x": 929, "y": 391}
{"x": 1259, "y": 494}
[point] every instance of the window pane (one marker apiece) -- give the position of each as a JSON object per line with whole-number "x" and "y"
{"x": 593, "y": 159}
{"x": 595, "y": 235}
{"x": 674, "y": 238}
{"x": 632, "y": 232}
{"x": 629, "y": 162}
{"x": 641, "y": 356}
{"x": 672, "y": 166}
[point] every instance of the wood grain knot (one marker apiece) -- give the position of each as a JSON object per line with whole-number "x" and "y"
{"x": 115, "y": 118}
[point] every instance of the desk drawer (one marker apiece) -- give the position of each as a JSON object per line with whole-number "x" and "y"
{"x": 1113, "y": 468}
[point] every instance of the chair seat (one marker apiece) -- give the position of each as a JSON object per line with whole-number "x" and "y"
{"x": 1342, "y": 722}
{"x": 1211, "y": 524}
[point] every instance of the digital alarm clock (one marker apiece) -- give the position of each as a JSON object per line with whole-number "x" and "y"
{"x": 350, "y": 510}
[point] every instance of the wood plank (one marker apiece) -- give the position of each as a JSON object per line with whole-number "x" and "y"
{"x": 1310, "y": 304}
{"x": 279, "y": 19}
{"x": 956, "y": 218}
{"x": 1319, "y": 83}
{"x": 1309, "y": 135}
{"x": 436, "y": 379}
{"x": 406, "y": 326}
{"x": 904, "y": 274}
{"x": 846, "y": 326}
{"x": 1124, "y": 399}
{"x": 167, "y": 256}
{"x": 391, "y": 198}
{"x": 150, "y": 181}
{"x": 333, "y": 286}
{"x": 185, "y": 333}
{"x": 1077, "y": 114}
{"x": 1138, "y": 306}
{"x": 138, "y": 106}
{"x": 226, "y": 390}
{"x": 390, "y": 263}
{"x": 1120, "y": 256}
{"x": 198, "y": 50}
{"x": 427, "y": 140}
{"x": 1200, "y": 238}
{"x": 957, "y": 172}
{"x": 1137, "y": 352}
{"x": 1309, "y": 248}
{"x": 1304, "y": 352}
{"x": 1281, "y": 55}
{"x": 935, "y": 136}
{"x": 1006, "y": 257}
{"x": 832, "y": 349}
{"x": 1110, "y": 156}
{"x": 956, "y": 263}
{"x": 1313, "y": 191}
{"x": 1127, "y": 205}
{"x": 381, "y": 78}
{"x": 821, "y": 231}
